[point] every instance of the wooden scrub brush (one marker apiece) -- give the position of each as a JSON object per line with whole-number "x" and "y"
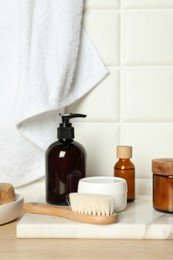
{"x": 86, "y": 208}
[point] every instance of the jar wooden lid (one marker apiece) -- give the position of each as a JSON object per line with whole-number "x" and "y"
{"x": 162, "y": 166}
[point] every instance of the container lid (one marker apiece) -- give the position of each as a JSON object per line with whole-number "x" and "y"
{"x": 102, "y": 185}
{"x": 124, "y": 152}
{"x": 162, "y": 166}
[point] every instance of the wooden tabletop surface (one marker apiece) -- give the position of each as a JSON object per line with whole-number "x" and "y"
{"x": 63, "y": 249}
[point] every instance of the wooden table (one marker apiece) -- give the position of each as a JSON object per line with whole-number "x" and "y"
{"x": 79, "y": 249}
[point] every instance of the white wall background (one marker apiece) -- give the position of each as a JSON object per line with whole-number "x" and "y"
{"x": 134, "y": 104}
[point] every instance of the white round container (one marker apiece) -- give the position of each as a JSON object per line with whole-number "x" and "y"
{"x": 113, "y": 186}
{"x": 12, "y": 210}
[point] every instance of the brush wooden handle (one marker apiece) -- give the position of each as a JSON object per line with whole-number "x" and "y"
{"x": 66, "y": 212}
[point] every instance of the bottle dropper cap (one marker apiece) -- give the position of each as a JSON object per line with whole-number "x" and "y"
{"x": 124, "y": 152}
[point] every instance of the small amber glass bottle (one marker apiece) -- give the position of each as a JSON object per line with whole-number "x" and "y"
{"x": 163, "y": 184}
{"x": 125, "y": 169}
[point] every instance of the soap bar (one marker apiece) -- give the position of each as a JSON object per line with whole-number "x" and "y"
{"x": 7, "y": 193}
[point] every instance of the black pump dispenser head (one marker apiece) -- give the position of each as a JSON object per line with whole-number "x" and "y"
{"x": 65, "y": 129}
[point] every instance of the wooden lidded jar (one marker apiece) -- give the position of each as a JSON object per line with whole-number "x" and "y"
{"x": 163, "y": 184}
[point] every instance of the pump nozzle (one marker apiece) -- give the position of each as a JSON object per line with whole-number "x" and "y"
{"x": 67, "y": 117}
{"x": 65, "y": 130}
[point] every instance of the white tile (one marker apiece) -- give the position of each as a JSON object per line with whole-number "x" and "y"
{"x": 103, "y": 30}
{"x": 102, "y": 103}
{"x": 34, "y": 191}
{"x": 146, "y": 4}
{"x": 102, "y": 4}
{"x": 147, "y": 38}
{"x": 143, "y": 186}
{"x": 149, "y": 141}
{"x": 100, "y": 141}
{"x": 147, "y": 94}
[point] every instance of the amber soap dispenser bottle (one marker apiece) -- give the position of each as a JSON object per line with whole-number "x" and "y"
{"x": 65, "y": 163}
{"x": 125, "y": 169}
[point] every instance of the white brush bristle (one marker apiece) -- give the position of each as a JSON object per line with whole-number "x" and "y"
{"x": 92, "y": 204}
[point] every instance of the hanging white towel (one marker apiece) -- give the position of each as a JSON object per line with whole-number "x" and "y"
{"x": 57, "y": 65}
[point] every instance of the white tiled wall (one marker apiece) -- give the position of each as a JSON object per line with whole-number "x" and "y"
{"x": 134, "y": 104}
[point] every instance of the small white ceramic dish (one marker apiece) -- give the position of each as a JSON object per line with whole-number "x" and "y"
{"x": 11, "y": 211}
{"x": 114, "y": 186}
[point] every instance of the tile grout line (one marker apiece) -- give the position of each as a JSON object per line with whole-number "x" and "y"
{"x": 140, "y": 66}
{"x": 121, "y": 76}
{"x": 126, "y": 10}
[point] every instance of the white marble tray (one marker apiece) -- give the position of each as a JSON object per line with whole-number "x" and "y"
{"x": 138, "y": 221}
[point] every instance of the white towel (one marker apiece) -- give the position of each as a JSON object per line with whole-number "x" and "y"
{"x": 57, "y": 66}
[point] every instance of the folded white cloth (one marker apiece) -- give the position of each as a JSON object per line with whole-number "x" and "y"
{"x": 57, "y": 65}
